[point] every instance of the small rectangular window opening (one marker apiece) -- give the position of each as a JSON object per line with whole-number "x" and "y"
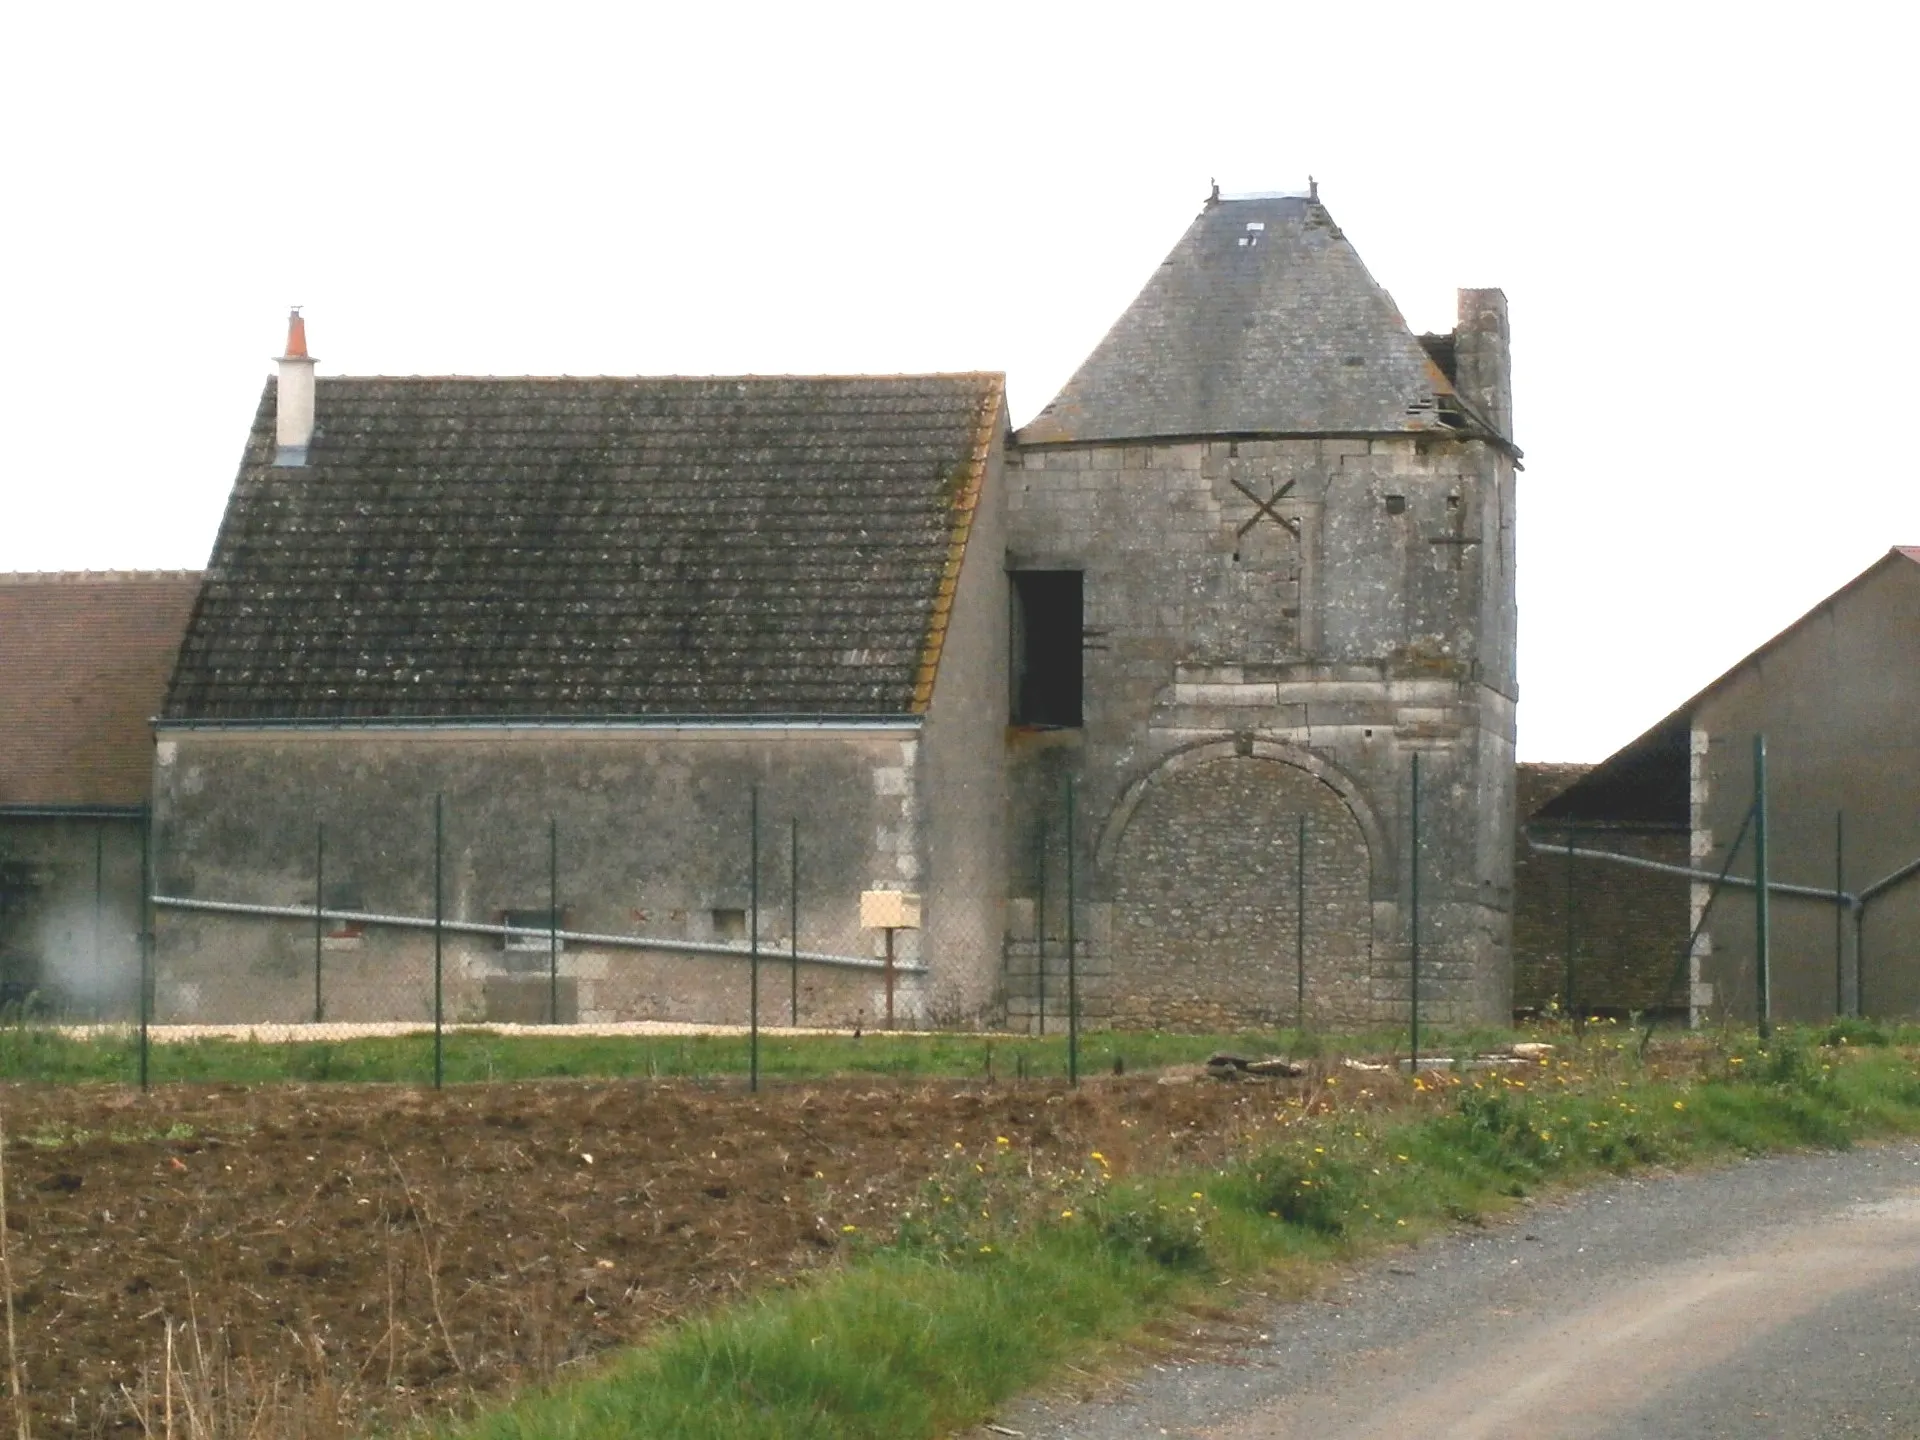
{"x": 729, "y": 924}
{"x": 344, "y": 897}
{"x": 542, "y": 920}
{"x": 1048, "y": 659}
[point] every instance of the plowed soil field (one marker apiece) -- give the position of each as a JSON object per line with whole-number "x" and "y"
{"x": 339, "y": 1254}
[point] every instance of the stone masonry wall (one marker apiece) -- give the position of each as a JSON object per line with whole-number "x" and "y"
{"x": 961, "y": 796}
{"x": 653, "y": 835}
{"x": 1322, "y": 597}
{"x": 1629, "y": 926}
{"x": 1206, "y": 931}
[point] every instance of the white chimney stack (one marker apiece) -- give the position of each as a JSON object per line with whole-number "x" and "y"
{"x": 294, "y": 401}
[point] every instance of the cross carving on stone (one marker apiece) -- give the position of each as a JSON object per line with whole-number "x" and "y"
{"x": 1264, "y": 508}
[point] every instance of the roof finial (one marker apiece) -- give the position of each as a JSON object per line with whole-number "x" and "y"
{"x": 296, "y": 336}
{"x": 1313, "y": 190}
{"x": 1214, "y": 198}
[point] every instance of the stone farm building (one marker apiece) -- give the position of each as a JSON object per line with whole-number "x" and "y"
{"x": 1837, "y": 697}
{"x": 1256, "y": 556}
{"x": 84, "y": 660}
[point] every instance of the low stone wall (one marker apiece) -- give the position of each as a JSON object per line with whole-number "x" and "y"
{"x": 1628, "y": 927}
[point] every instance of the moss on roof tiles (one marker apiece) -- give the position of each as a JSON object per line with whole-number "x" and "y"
{"x": 587, "y": 547}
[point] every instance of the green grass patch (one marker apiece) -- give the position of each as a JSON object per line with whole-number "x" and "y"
{"x": 997, "y": 1274}
{"x": 34, "y": 1051}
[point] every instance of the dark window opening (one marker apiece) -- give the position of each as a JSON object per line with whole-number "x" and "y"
{"x": 1396, "y": 504}
{"x": 345, "y": 897}
{"x": 544, "y": 921}
{"x": 1048, "y": 638}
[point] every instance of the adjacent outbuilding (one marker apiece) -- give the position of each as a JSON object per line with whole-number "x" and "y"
{"x": 84, "y": 661}
{"x": 461, "y": 636}
{"x": 1836, "y": 697}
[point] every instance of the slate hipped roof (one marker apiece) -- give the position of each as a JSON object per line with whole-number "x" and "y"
{"x": 593, "y": 548}
{"x": 84, "y": 659}
{"x": 1263, "y": 321}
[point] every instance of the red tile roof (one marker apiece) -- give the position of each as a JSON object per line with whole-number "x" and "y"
{"x": 84, "y": 661}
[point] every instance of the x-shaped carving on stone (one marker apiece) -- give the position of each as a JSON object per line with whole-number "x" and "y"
{"x": 1264, "y": 508}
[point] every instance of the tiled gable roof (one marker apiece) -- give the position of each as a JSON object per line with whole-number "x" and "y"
{"x": 1262, "y": 321}
{"x": 84, "y": 659}
{"x": 593, "y": 548}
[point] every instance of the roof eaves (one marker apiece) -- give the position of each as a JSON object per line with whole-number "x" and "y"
{"x": 770, "y": 720}
{"x": 1033, "y": 438}
{"x": 965, "y": 502}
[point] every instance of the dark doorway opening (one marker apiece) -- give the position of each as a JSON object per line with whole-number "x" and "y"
{"x": 1048, "y": 625}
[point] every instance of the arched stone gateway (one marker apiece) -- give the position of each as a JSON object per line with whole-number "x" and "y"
{"x": 1205, "y": 880}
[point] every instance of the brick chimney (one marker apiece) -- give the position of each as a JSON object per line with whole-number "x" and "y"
{"x": 293, "y": 417}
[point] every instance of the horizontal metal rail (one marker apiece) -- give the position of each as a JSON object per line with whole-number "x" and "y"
{"x": 768, "y": 955}
{"x": 1885, "y": 883}
{"x": 1852, "y": 899}
{"x": 1661, "y": 867}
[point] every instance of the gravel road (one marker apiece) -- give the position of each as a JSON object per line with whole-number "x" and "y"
{"x": 1777, "y": 1297}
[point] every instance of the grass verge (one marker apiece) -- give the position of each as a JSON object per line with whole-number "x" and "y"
{"x": 34, "y": 1052}
{"x": 1001, "y": 1271}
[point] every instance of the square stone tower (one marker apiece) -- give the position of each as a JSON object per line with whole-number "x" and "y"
{"x": 1262, "y": 556}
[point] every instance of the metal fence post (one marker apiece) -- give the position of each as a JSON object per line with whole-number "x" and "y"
{"x": 1413, "y": 1007}
{"x": 1073, "y": 955}
{"x": 793, "y": 922}
{"x": 1762, "y": 918}
{"x": 1300, "y": 925}
{"x": 753, "y": 941}
{"x": 1839, "y": 914}
{"x": 1040, "y": 933}
{"x": 553, "y": 920}
{"x": 319, "y": 915}
{"x": 146, "y": 935}
{"x": 439, "y": 918}
{"x": 1572, "y": 899}
{"x": 1860, "y": 961}
{"x": 99, "y": 901}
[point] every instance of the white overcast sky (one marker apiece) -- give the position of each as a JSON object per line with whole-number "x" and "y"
{"x": 1701, "y": 215}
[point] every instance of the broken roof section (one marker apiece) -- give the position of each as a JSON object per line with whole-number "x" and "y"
{"x": 1263, "y": 321}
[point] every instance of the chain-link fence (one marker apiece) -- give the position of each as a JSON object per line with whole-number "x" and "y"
{"x": 1779, "y": 919}
{"x": 419, "y": 932}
